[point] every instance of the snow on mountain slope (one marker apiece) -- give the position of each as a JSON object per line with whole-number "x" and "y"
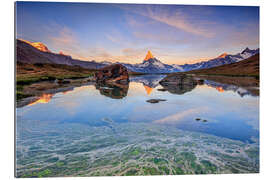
{"x": 221, "y": 60}
{"x": 151, "y": 64}
{"x": 39, "y": 53}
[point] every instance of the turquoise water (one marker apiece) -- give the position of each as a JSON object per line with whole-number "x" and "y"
{"x": 112, "y": 130}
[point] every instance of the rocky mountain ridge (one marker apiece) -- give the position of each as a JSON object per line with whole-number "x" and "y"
{"x": 28, "y": 52}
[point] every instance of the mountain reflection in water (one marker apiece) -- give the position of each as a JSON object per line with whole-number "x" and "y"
{"x": 184, "y": 103}
{"x": 88, "y": 128}
{"x": 241, "y": 91}
{"x": 119, "y": 91}
{"x": 150, "y": 82}
{"x": 45, "y": 98}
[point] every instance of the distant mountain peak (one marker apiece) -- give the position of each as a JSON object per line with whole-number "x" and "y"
{"x": 38, "y": 45}
{"x": 61, "y": 53}
{"x": 223, "y": 55}
{"x": 245, "y": 50}
{"x": 148, "y": 56}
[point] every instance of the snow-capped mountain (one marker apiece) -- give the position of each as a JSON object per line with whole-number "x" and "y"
{"x": 37, "y": 52}
{"x": 221, "y": 60}
{"x": 152, "y": 65}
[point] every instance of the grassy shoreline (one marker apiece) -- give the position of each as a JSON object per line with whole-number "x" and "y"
{"x": 247, "y": 68}
{"x": 27, "y": 74}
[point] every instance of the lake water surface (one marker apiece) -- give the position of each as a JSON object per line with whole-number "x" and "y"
{"x": 97, "y": 130}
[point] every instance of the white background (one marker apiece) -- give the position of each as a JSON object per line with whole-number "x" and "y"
{"x": 7, "y": 89}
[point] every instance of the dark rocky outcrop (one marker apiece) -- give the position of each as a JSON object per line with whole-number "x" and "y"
{"x": 178, "y": 83}
{"x": 113, "y": 73}
{"x": 175, "y": 79}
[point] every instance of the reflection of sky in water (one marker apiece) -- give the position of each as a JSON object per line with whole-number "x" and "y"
{"x": 227, "y": 114}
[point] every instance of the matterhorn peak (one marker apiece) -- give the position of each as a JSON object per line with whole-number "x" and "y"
{"x": 148, "y": 56}
{"x": 223, "y": 55}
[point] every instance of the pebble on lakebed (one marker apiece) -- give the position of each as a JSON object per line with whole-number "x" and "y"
{"x": 155, "y": 100}
{"x": 162, "y": 89}
{"x": 199, "y": 119}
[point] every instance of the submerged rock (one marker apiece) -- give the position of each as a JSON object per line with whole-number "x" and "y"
{"x": 155, "y": 100}
{"x": 113, "y": 73}
{"x": 108, "y": 120}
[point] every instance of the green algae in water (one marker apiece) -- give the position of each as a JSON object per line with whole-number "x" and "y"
{"x": 130, "y": 153}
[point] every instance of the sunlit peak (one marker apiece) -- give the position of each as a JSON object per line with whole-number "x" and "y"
{"x": 148, "y": 56}
{"x": 38, "y": 45}
{"x": 223, "y": 55}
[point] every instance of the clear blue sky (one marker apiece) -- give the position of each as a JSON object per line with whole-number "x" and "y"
{"x": 124, "y": 32}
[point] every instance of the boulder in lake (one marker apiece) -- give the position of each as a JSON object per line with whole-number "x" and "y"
{"x": 178, "y": 79}
{"x": 112, "y": 73}
{"x": 178, "y": 83}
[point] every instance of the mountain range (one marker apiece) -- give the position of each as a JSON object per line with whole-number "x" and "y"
{"x": 28, "y": 52}
{"x": 247, "y": 67}
{"x": 153, "y": 65}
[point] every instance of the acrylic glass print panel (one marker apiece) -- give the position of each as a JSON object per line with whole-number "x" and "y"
{"x": 136, "y": 89}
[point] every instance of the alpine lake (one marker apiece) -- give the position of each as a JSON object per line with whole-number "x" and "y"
{"x": 109, "y": 130}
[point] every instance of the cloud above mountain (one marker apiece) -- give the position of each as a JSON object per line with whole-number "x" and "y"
{"x": 177, "y": 19}
{"x": 176, "y": 34}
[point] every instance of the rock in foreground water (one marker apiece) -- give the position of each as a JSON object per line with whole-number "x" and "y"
{"x": 155, "y": 100}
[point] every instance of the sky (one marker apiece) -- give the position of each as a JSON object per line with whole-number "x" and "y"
{"x": 175, "y": 34}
